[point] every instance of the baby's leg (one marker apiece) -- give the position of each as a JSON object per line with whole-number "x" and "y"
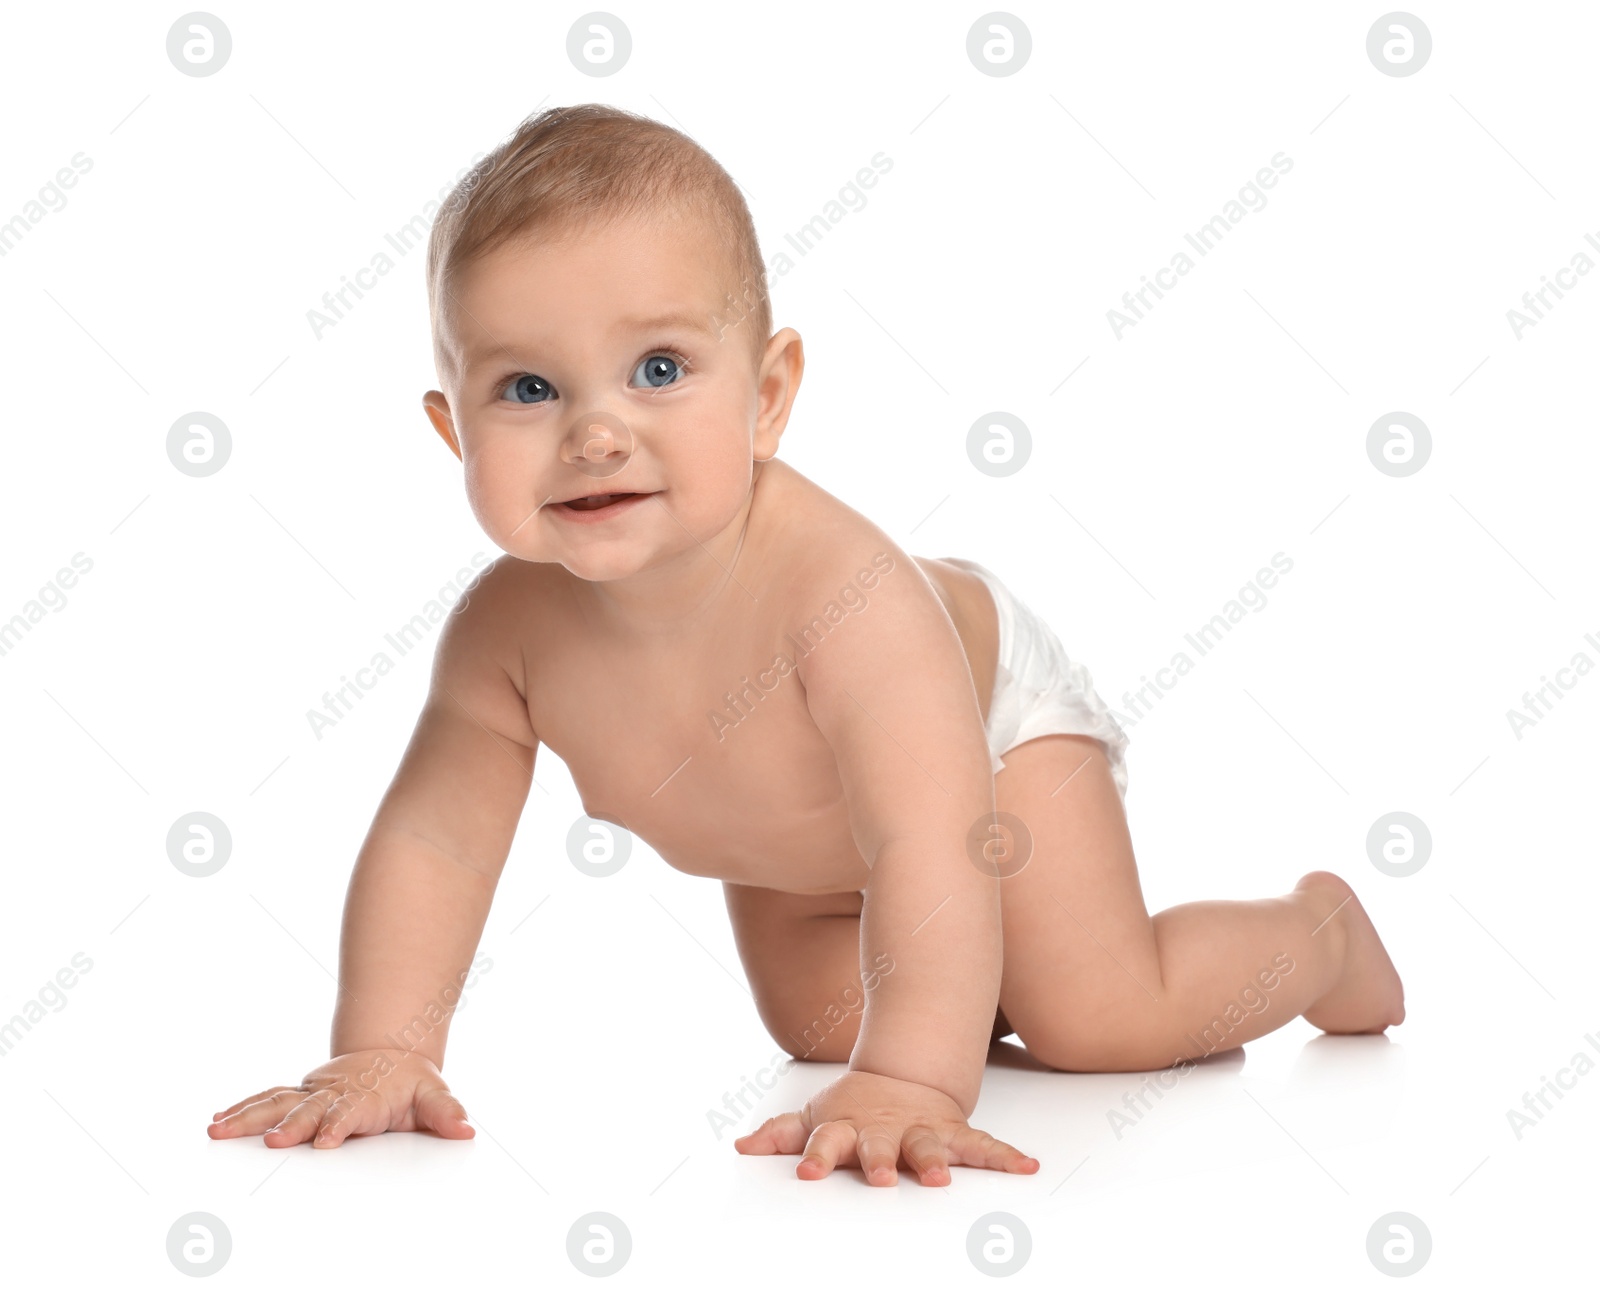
{"x": 1093, "y": 983}
{"x": 802, "y": 956}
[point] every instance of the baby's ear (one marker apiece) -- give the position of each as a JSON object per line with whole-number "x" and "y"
{"x": 777, "y": 382}
{"x": 438, "y": 410}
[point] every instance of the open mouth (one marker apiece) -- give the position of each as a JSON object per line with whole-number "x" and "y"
{"x": 599, "y": 501}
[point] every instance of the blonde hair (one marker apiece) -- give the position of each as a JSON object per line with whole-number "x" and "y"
{"x": 592, "y": 163}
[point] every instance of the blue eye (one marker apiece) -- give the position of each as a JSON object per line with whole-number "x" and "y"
{"x": 528, "y": 389}
{"x": 658, "y": 370}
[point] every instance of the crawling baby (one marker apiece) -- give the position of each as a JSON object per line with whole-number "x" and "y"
{"x": 902, "y": 781}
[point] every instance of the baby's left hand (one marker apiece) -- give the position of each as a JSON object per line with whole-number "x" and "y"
{"x": 881, "y": 1120}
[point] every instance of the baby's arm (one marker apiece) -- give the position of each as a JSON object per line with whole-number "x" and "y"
{"x": 426, "y": 875}
{"x": 891, "y": 690}
{"x": 415, "y": 909}
{"x": 896, "y": 704}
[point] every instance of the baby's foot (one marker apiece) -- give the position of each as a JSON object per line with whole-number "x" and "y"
{"x": 1368, "y": 995}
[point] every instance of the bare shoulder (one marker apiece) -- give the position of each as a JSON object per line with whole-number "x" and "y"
{"x": 480, "y": 664}
{"x": 843, "y": 562}
{"x": 829, "y": 548}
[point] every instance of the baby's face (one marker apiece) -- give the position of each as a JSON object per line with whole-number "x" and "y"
{"x": 592, "y": 365}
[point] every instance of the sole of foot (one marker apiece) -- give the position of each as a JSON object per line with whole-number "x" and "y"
{"x": 1368, "y": 996}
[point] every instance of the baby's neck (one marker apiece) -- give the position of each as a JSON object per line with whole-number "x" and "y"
{"x": 672, "y": 598}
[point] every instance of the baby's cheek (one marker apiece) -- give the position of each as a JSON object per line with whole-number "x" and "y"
{"x": 495, "y": 507}
{"x": 730, "y": 474}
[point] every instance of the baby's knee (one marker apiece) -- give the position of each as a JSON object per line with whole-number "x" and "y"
{"x": 819, "y": 1039}
{"x": 1069, "y": 1047}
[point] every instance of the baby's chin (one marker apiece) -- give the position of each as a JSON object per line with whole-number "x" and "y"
{"x": 597, "y": 567}
{"x": 614, "y": 561}
{"x": 594, "y": 562}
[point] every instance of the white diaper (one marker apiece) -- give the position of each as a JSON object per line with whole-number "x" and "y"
{"x": 1037, "y": 689}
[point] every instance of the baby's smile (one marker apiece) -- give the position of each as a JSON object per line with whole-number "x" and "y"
{"x": 598, "y": 507}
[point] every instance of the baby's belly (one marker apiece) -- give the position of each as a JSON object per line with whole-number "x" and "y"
{"x": 768, "y": 813}
{"x": 791, "y": 848}
{"x": 803, "y": 855}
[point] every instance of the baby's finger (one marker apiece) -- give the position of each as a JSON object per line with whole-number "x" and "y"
{"x": 437, "y": 1110}
{"x": 877, "y": 1151}
{"x": 301, "y": 1122}
{"x": 353, "y": 1112}
{"x": 254, "y": 1098}
{"x": 253, "y": 1118}
{"x": 829, "y": 1144}
{"x": 785, "y": 1134}
{"x": 924, "y": 1153}
{"x": 974, "y": 1147}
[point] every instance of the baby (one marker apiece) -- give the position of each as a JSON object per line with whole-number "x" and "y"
{"x": 911, "y": 795}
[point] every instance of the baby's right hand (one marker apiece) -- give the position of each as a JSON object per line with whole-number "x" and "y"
{"x": 370, "y": 1091}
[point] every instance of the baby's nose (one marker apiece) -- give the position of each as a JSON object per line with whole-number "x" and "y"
{"x": 598, "y": 444}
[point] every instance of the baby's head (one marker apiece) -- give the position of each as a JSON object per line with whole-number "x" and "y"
{"x": 601, "y": 326}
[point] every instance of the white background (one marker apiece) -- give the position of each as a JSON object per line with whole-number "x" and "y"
{"x": 1227, "y": 425}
